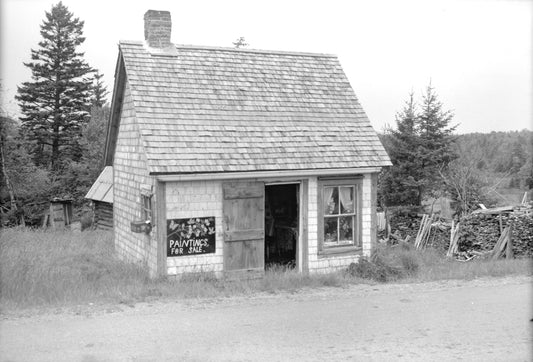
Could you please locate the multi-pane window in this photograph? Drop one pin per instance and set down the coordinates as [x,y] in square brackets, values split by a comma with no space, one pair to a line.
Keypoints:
[339,215]
[146,207]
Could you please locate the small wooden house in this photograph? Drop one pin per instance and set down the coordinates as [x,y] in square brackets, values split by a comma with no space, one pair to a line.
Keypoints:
[101,195]
[230,160]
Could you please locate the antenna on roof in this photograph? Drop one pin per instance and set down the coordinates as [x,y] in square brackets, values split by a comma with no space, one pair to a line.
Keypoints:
[240,43]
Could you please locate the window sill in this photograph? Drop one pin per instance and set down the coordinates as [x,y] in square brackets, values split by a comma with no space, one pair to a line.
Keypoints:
[339,251]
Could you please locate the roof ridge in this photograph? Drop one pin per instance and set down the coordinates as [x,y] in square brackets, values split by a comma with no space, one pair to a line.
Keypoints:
[261,51]
[238,50]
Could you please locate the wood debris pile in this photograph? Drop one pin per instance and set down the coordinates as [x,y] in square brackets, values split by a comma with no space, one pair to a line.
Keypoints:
[408,224]
[479,233]
[483,233]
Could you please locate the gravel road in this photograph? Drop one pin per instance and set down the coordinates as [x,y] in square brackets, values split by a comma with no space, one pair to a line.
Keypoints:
[479,320]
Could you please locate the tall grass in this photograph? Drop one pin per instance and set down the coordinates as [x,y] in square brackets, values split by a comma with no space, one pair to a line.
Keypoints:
[55,267]
[60,267]
[404,262]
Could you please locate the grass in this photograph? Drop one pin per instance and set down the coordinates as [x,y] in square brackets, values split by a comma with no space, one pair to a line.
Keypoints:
[404,262]
[55,268]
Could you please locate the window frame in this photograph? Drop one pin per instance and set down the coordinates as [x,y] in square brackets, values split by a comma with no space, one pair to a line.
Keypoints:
[146,203]
[147,209]
[356,247]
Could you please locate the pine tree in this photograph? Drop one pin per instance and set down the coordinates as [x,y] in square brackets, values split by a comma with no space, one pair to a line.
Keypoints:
[399,183]
[56,103]
[436,143]
[419,148]
[99,91]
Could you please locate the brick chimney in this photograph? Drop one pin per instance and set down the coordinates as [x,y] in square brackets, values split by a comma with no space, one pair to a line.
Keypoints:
[157,28]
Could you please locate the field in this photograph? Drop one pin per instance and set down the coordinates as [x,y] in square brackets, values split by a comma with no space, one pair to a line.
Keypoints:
[56,268]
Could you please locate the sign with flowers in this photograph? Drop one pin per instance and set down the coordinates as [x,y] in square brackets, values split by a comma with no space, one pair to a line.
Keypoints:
[191,236]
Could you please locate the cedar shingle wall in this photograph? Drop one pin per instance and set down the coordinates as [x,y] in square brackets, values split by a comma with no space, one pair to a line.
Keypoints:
[130,171]
[196,199]
[319,264]
[204,198]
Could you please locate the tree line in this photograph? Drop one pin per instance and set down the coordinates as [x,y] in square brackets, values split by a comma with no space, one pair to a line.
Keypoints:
[431,161]
[55,147]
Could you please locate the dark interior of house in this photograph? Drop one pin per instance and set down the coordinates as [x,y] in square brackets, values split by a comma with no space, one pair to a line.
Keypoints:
[281,225]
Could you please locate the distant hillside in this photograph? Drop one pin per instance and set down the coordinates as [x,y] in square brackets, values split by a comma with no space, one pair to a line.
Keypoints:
[501,152]
[502,161]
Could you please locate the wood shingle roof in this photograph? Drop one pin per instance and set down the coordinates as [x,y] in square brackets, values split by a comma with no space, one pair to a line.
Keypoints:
[102,189]
[203,109]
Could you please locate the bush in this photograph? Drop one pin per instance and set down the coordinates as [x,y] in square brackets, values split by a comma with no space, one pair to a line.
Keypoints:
[387,264]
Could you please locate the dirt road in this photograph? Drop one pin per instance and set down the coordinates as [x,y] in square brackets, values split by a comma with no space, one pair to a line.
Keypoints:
[481,320]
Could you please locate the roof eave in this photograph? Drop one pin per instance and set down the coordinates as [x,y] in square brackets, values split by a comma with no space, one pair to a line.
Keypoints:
[116,108]
[264,174]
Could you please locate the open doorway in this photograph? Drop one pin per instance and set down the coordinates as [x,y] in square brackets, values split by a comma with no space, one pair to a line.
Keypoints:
[281,224]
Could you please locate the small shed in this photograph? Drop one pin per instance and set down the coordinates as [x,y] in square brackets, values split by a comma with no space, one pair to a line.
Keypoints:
[101,195]
[59,214]
[232,160]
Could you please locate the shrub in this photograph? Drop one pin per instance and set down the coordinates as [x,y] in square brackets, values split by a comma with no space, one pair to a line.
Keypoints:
[387,264]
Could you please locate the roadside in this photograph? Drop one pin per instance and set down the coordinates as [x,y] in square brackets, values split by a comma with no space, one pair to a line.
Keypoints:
[482,319]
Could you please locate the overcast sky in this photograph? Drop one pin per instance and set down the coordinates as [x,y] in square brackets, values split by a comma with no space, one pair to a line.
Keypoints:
[477,54]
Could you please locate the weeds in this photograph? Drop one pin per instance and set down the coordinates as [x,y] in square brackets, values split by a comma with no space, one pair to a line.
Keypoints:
[404,262]
[60,267]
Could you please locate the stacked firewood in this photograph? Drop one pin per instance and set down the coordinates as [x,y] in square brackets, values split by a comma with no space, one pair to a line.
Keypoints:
[479,233]
[476,235]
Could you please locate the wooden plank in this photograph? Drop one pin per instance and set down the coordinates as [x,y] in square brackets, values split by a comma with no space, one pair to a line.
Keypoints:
[500,244]
[242,190]
[240,235]
[509,249]
[243,210]
[303,263]
[116,111]
[161,228]
[244,255]
[320,216]
[373,211]
[244,214]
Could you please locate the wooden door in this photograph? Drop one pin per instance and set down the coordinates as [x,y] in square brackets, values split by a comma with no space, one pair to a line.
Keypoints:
[244,235]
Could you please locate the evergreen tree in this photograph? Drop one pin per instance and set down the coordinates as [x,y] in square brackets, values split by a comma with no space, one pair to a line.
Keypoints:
[435,151]
[419,148]
[56,103]
[399,184]
[99,91]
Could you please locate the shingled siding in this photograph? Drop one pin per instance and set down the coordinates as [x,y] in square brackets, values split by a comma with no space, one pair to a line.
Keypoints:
[323,264]
[130,172]
[196,199]
[204,198]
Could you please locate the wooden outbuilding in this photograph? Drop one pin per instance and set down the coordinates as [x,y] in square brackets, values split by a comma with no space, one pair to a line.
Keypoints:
[59,213]
[231,160]
[101,195]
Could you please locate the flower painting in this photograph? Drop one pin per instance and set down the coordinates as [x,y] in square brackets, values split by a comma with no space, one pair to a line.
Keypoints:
[191,236]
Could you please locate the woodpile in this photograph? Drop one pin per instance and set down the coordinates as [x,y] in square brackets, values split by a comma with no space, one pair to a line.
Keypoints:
[503,245]
[481,233]
[486,233]
[454,239]
[424,232]
[404,224]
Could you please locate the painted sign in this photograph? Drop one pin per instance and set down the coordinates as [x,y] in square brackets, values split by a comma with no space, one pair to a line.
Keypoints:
[191,236]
